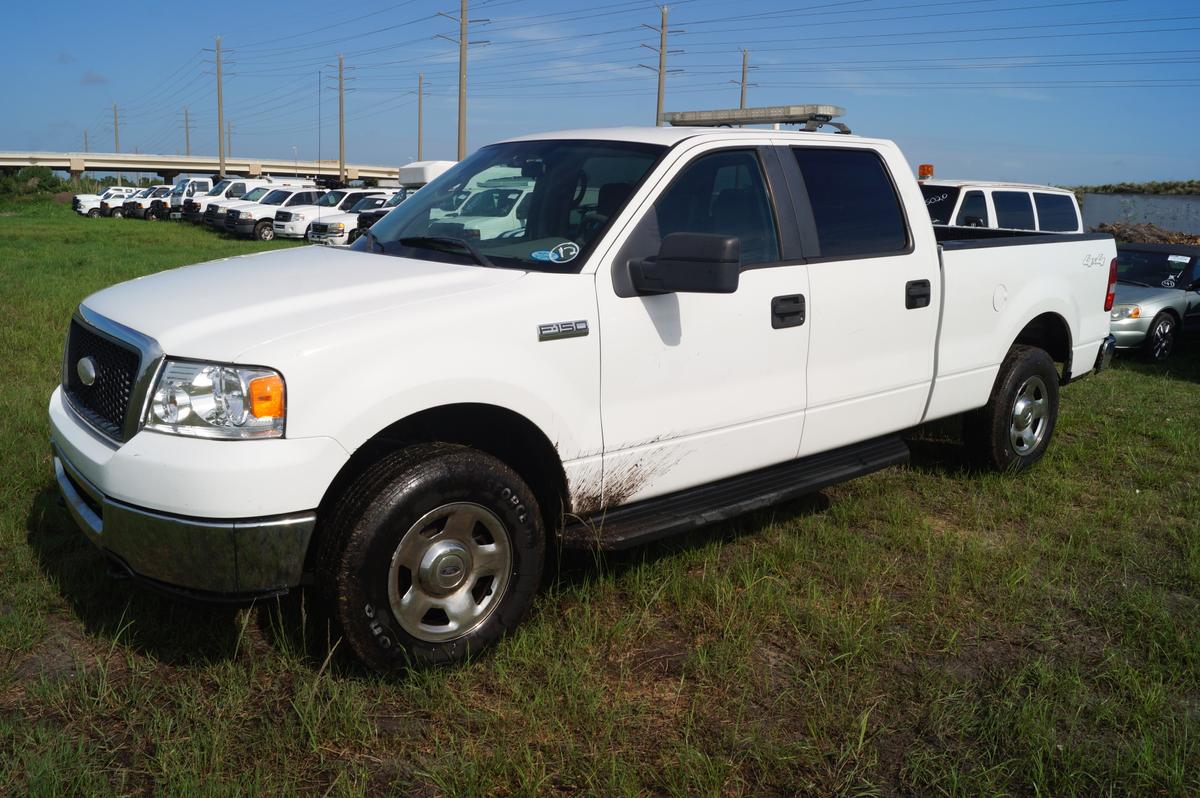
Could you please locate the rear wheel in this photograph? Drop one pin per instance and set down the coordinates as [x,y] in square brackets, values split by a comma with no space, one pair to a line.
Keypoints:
[1160,338]
[1012,431]
[264,230]
[431,556]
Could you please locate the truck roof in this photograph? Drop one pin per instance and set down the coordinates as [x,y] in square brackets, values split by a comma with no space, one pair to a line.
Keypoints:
[992,184]
[670,136]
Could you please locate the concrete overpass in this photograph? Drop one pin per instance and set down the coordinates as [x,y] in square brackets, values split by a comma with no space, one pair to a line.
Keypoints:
[170,166]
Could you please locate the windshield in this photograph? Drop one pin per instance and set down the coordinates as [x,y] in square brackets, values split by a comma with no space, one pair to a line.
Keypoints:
[1155,269]
[331,199]
[940,202]
[277,197]
[366,204]
[255,195]
[161,192]
[143,193]
[396,199]
[218,189]
[571,191]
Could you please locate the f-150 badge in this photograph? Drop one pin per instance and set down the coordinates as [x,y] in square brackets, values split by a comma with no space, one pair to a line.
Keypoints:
[562,329]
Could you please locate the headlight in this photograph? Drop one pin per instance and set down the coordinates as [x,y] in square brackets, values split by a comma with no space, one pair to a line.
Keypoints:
[221,211]
[1126,312]
[214,400]
[337,227]
[297,217]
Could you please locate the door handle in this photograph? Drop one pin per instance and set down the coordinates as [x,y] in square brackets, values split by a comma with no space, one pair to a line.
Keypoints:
[787,311]
[917,294]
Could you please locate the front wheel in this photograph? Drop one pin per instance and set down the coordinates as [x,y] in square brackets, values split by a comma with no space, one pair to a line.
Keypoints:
[94,213]
[264,231]
[1012,431]
[1160,338]
[353,235]
[117,213]
[431,556]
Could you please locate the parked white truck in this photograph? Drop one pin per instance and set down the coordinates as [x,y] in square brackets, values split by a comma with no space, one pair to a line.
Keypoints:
[89,204]
[296,220]
[740,317]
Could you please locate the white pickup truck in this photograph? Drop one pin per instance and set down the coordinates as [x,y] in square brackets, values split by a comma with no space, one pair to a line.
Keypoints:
[89,204]
[691,324]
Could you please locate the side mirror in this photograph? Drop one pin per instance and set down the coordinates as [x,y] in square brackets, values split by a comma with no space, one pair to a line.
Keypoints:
[692,263]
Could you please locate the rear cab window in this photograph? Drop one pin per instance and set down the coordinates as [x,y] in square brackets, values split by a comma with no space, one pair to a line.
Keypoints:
[1056,213]
[1014,210]
[854,203]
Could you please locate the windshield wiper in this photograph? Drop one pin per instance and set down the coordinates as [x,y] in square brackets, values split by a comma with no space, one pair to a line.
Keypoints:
[426,241]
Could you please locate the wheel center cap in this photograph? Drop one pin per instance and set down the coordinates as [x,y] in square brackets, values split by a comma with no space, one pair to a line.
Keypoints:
[444,567]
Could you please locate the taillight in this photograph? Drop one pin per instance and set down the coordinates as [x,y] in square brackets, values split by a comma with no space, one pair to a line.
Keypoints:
[1112,286]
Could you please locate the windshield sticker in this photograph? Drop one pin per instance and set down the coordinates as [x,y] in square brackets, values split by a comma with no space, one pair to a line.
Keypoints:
[1169,282]
[1178,258]
[563,253]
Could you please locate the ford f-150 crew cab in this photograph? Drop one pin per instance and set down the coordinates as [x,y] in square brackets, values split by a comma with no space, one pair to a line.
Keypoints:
[690,324]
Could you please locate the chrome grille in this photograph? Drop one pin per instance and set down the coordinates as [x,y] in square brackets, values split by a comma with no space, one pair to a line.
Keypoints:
[105,402]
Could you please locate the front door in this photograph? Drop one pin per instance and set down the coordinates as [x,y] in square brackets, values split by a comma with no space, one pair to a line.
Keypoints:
[697,387]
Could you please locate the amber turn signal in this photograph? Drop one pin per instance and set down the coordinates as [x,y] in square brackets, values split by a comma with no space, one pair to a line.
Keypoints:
[266,396]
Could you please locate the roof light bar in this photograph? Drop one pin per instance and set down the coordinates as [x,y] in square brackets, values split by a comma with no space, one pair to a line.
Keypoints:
[811,116]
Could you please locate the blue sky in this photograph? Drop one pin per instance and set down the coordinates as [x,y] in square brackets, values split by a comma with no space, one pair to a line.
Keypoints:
[1081,91]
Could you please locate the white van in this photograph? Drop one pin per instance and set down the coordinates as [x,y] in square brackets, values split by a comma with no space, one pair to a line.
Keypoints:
[1008,206]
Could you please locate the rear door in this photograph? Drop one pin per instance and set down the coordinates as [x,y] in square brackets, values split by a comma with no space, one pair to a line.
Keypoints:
[874,292]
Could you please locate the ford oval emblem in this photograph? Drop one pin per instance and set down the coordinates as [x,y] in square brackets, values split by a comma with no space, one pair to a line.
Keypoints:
[450,570]
[86,369]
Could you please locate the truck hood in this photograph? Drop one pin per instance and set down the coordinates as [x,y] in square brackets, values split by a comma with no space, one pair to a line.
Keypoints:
[217,310]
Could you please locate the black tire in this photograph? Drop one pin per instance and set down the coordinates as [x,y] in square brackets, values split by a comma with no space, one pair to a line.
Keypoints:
[264,230]
[353,235]
[94,213]
[1012,431]
[1160,338]
[386,512]
[117,213]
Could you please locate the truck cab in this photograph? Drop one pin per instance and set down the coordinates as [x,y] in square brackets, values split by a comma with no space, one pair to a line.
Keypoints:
[185,188]
[1002,206]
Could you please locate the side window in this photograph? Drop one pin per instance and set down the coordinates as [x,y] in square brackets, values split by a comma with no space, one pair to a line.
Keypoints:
[722,193]
[1014,209]
[854,202]
[299,198]
[973,212]
[1056,213]
[236,190]
[349,201]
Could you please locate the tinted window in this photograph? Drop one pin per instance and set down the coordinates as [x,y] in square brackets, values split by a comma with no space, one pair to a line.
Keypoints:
[1056,213]
[973,212]
[1014,209]
[276,197]
[940,202]
[238,190]
[1152,269]
[853,201]
[722,193]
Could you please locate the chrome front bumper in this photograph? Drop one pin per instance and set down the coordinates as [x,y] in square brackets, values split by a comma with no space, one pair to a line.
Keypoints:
[202,558]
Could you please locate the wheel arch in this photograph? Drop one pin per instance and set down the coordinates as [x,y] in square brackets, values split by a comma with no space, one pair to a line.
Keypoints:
[498,431]
[1050,332]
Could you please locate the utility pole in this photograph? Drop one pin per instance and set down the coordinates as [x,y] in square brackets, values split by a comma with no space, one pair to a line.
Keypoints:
[342,120]
[662,30]
[745,64]
[85,141]
[220,111]
[116,130]
[462,41]
[420,111]
[187,132]
[229,139]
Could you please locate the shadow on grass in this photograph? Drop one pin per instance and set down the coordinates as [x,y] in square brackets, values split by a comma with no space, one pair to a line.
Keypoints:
[171,631]
[1183,364]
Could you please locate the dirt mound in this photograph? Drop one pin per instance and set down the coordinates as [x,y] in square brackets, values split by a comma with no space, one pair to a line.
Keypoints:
[63,197]
[1146,233]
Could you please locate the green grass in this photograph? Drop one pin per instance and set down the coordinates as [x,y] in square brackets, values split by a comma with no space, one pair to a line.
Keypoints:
[928,630]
